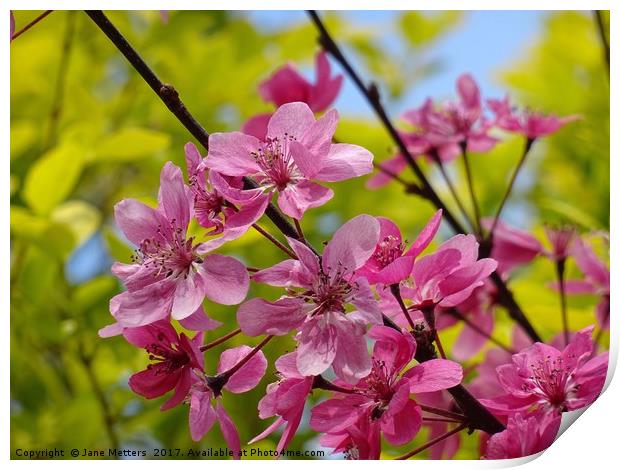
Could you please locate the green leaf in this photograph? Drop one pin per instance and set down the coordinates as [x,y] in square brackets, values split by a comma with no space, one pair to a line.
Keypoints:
[51,236]
[118,249]
[52,178]
[80,217]
[132,143]
[424,28]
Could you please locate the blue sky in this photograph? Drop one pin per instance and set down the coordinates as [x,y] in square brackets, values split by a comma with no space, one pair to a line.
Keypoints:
[482,44]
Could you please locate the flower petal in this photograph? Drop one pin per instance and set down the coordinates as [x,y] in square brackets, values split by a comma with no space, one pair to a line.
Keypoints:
[230,153]
[226,280]
[433,375]
[292,119]
[296,199]
[352,244]
[249,375]
[201,414]
[257,316]
[345,161]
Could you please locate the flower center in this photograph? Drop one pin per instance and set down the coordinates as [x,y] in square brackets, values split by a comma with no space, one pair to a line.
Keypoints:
[170,256]
[379,387]
[388,250]
[207,204]
[330,293]
[167,357]
[276,163]
[552,380]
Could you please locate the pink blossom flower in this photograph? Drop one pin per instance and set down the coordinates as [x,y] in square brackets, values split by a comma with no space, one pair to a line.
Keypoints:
[390,264]
[529,123]
[359,441]
[512,247]
[523,436]
[296,150]
[285,399]
[543,379]
[174,357]
[212,211]
[287,85]
[596,280]
[394,165]
[448,276]
[205,405]
[12,24]
[454,123]
[383,396]
[168,277]
[561,239]
[327,334]
[486,383]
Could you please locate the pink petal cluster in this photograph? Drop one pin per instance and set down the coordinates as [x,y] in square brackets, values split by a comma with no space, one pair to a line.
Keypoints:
[380,403]
[523,436]
[530,124]
[596,280]
[512,247]
[318,292]
[449,275]
[285,399]
[445,128]
[205,405]
[287,85]
[296,151]
[440,132]
[390,263]
[544,380]
[174,358]
[168,276]
[212,210]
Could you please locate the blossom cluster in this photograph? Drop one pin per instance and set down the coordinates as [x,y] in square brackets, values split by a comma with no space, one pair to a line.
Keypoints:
[365,312]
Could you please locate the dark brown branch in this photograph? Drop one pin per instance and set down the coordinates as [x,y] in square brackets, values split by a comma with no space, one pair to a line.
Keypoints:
[371,94]
[169,95]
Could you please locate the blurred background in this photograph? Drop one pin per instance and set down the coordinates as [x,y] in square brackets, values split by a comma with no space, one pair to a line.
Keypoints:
[87,132]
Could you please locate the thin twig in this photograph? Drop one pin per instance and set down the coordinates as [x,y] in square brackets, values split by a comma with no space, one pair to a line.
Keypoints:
[31,24]
[470,185]
[528,145]
[452,189]
[395,289]
[439,420]
[560,266]
[170,97]
[227,374]
[271,238]
[444,413]
[300,232]
[454,312]
[221,340]
[432,442]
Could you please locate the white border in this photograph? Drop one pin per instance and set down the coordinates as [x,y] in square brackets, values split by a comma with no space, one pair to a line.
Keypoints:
[591,444]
